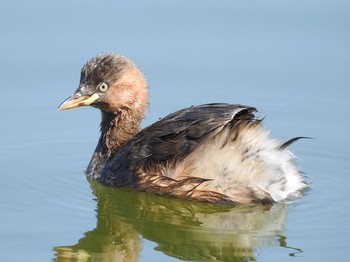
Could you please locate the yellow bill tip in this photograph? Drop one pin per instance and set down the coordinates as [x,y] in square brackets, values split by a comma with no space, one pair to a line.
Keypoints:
[77,102]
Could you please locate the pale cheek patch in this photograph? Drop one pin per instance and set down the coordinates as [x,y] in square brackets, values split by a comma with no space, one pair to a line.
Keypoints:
[126,96]
[133,99]
[120,99]
[130,91]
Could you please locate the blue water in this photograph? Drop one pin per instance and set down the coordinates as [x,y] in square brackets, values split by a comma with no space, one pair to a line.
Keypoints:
[291,59]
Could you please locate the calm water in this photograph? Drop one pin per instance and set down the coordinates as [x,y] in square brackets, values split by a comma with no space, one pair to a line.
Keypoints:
[291,59]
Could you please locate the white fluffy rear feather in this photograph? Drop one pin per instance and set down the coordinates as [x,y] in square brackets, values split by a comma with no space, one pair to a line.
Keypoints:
[245,157]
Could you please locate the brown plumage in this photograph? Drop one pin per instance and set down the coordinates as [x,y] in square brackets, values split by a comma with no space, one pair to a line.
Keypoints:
[213,152]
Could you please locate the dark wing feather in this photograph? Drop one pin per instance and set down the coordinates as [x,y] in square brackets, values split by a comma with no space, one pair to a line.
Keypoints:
[171,139]
[291,141]
[178,134]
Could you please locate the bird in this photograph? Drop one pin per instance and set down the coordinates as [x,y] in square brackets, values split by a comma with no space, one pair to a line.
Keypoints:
[216,152]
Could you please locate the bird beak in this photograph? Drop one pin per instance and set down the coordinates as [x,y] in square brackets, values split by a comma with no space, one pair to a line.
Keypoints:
[73,102]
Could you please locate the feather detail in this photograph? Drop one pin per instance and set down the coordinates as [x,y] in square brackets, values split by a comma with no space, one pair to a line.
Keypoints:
[291,141]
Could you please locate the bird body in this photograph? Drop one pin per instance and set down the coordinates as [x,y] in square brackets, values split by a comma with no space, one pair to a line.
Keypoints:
[213,152]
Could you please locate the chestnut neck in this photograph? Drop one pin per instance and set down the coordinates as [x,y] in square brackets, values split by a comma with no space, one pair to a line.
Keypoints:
[116,129]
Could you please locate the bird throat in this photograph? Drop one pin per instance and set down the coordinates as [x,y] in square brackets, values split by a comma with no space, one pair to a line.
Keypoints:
[116,130]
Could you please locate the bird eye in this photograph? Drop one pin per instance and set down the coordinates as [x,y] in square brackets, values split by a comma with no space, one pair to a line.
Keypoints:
[103,87]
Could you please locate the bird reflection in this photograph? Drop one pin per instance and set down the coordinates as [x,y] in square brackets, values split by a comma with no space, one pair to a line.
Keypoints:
[182,229]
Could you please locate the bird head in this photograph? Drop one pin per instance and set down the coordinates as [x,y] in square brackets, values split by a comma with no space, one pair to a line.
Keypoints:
[111,83]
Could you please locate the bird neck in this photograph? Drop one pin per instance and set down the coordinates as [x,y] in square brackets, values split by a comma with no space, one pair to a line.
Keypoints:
[116,130]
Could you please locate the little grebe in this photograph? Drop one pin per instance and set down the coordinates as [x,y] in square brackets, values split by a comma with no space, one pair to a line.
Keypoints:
[213,152]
